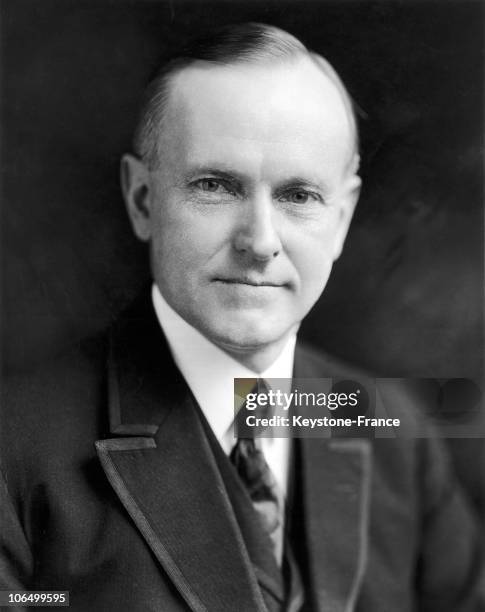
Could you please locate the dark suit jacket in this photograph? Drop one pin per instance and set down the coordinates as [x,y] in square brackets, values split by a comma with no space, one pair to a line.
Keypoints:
[111,491]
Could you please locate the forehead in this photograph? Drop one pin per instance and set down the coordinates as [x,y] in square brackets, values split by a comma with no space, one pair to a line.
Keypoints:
[261,112]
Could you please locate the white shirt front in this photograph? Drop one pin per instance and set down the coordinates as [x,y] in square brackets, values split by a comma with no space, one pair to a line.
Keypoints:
[210,373]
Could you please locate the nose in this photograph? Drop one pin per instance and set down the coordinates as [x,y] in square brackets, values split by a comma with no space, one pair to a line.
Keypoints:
[256,234]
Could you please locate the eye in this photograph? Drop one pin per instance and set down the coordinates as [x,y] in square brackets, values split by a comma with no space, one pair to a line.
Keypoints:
[217,186]
[299,196]
[210,185]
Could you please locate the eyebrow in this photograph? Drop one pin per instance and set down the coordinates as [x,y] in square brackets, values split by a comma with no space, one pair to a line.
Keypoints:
[298,181]
[229,174]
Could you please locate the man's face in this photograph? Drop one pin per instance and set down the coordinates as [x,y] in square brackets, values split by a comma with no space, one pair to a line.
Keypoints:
[251,201]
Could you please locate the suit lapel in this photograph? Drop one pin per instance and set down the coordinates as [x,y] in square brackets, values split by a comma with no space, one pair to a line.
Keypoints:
[336,475]
[336,494]
[165,475]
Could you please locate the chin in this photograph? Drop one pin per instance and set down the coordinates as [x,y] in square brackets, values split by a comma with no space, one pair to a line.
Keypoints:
[245,335]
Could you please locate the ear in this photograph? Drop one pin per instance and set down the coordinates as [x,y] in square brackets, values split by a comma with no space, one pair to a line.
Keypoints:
[349,199]
[135,185]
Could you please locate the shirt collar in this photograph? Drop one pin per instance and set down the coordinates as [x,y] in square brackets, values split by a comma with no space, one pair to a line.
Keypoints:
[208,370]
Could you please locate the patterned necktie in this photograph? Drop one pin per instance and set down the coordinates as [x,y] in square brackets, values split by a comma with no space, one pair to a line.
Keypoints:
[248,459]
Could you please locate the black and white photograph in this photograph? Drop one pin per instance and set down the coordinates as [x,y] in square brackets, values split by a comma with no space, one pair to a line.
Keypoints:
[242,305]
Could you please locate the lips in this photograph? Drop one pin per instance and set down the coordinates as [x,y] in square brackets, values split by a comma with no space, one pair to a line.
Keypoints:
[252,282]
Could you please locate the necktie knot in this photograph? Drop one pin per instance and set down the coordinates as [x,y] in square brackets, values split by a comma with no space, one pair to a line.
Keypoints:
[258,406]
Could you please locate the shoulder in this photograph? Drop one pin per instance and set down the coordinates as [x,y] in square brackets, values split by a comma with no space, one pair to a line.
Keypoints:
[51,413]
[61,380]
[408,453]
[395,398]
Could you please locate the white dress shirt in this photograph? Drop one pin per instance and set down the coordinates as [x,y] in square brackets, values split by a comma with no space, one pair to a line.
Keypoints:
[210,373]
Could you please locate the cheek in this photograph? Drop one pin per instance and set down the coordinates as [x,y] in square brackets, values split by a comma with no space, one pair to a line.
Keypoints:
[184,239]
[312,254]
[178,254]
[314,272]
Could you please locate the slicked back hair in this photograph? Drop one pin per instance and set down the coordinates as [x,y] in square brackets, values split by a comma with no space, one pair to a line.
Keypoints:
[250,43]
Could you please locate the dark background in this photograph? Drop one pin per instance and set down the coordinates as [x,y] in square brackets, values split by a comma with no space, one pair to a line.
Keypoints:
[405,298]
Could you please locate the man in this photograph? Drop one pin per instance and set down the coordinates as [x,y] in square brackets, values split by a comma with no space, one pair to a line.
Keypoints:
[123,481]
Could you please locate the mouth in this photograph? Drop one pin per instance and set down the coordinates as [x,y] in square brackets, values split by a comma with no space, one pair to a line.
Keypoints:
[251,282]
